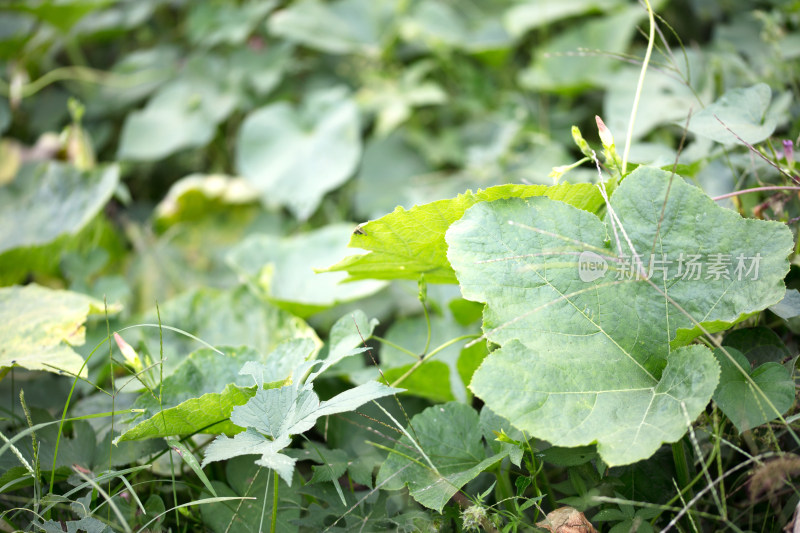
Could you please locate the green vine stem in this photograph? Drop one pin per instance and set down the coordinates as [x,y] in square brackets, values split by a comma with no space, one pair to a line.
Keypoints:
[428,356]
[274,521]
[651,39]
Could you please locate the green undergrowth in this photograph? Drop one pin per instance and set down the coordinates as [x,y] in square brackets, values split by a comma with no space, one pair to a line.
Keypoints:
[399,265]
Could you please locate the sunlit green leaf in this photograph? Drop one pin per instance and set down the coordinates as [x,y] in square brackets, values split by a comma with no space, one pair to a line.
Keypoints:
[742,111]
[406,244]
[46,201]
[343,26]
[182,114]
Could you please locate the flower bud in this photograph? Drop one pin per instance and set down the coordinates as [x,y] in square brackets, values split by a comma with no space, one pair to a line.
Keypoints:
[581,142]
[605,134]
[130,355]
[788,151]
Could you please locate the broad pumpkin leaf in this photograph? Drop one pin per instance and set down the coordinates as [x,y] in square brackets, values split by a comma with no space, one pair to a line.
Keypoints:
[295,156]
[665,97]
[440,25]
[746,406]
[556,66]
[46,201]
[591,352]
[451,437]
[760,345]
[40,326]
[211,24]
[406,244]
[283,269]
[376,184]
[743,111]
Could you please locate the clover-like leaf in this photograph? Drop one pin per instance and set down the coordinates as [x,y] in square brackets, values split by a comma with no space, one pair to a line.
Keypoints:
[408,243]
[592,350]
[749,401]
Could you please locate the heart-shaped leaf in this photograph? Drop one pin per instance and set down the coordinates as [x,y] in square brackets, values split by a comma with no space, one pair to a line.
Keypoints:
[743,111]
[737,396]
[295,156]
[284,269]
[450,436]
[591,350]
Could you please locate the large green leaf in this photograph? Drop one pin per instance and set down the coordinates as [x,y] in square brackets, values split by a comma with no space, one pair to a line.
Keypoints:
[284,269]
[406,244]
[743,111]
[450,435]
[746,402]
[295,156]
[377,191]
[182,114]
[589,352]
[49,200]
[40,326]
[666,96]
[439,24]
[210,24]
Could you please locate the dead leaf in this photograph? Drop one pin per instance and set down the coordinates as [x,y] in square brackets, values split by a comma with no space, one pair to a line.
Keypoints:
[567,520]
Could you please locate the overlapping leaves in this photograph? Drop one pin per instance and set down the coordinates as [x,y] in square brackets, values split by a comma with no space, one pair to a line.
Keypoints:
[408,243]
[599,355]
[273,415]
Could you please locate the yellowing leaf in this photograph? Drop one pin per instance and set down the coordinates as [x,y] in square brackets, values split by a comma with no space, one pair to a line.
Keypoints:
[39,326]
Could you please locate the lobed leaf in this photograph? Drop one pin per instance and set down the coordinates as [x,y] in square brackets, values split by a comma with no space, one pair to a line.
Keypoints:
[595,351]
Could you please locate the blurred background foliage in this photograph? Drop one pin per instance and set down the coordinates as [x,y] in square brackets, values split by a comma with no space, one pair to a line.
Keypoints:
[199,123]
